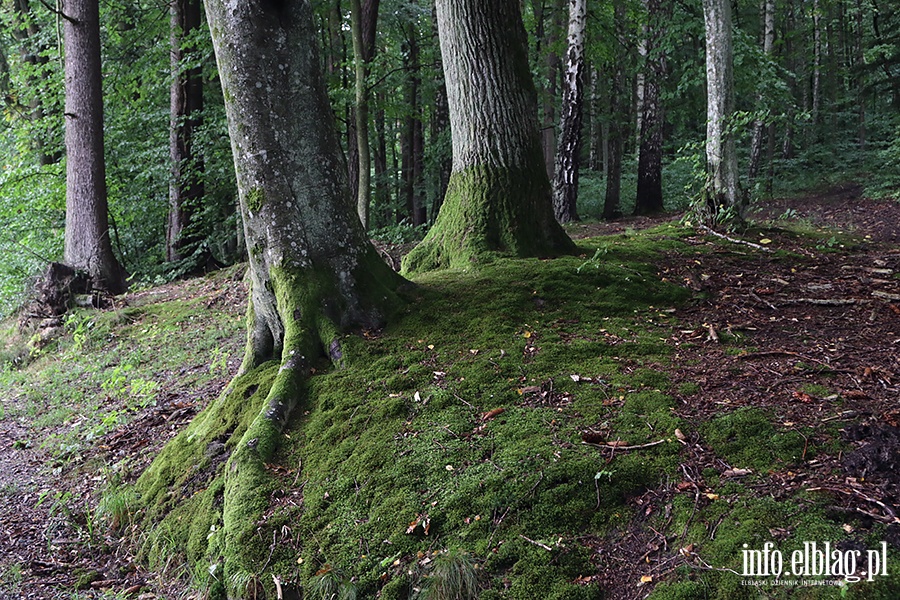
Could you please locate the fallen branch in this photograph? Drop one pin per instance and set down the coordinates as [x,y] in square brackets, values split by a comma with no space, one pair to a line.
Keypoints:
[733,240]
[530,541]
[892,516]
[886,296]
[613,447]
[828,301]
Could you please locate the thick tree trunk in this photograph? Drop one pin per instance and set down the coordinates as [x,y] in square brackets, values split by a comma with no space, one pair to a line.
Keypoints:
[312,271]
[440,128]
[721,160]
[186,103]
[498,199]
[568,152]
[87,246]
[649,197]
[759,125]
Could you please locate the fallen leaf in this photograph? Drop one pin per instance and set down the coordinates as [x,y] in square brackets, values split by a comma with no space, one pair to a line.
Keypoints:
[526,335]
[492,413]
[803,397]
[680,435]
[646,579]
[765,241]
[617,443]
[711,496]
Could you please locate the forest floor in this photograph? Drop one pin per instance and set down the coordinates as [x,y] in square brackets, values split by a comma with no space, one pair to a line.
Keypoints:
[812,337]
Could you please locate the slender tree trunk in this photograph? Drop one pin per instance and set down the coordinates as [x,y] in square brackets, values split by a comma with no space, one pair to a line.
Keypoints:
[649,185]
[186,187]
[596,152]
[552,25]
[860,78]
[498,199]
[617,123]
[759,125]
[721,158]
[87,239]
[568,153]
[440,129]
[363,18]
[817,63]
[27,35]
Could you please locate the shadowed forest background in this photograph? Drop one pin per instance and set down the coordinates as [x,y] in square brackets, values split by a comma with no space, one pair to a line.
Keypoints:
[656,323]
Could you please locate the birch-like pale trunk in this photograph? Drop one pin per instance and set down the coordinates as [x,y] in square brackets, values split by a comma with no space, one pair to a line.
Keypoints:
[568,160]
[721,159]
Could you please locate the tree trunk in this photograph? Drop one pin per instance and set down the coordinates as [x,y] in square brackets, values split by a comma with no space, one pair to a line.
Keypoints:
[649,197]
[551,26]
[186,103]
[616,129]
[313,273]
[87,240]
[26,33]
[597,150]
[723,196]
[440,126]
[568,159]
[363,18]
[498,198]
[759,125]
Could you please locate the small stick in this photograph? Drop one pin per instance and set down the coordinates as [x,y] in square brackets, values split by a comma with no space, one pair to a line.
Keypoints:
[656,443]
[733,240]
[544,546]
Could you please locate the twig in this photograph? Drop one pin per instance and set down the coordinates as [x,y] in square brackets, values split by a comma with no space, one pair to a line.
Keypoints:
[891,514]
[606,446]
[828,301]
[761,301]
[886,296]
[733,240]
[544,546]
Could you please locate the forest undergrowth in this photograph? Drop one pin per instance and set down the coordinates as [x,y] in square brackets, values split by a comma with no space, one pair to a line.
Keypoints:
[621,423]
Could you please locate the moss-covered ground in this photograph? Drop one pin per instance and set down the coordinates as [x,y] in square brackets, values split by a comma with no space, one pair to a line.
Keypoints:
[523,430]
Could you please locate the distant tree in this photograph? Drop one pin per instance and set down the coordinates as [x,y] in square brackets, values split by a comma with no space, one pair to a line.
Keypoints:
[499,197]
[617,117]
[723,194]
[186,187]
[568,159]
[88,246]
[649,197]
[363,19]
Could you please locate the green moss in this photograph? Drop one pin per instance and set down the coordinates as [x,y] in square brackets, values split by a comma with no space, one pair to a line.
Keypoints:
[746,438]
[254,199]
[488,211]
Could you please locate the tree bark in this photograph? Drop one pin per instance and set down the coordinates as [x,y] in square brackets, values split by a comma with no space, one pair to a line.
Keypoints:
[313,273]
[723,195]
[617,117]
[759,124]
[186,187]
[568,159]
[649,197]
[498,198]
[87,239]
[363,18]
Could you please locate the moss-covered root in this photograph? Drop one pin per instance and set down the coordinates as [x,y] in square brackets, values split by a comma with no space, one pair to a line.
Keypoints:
[491,210]
[247,484]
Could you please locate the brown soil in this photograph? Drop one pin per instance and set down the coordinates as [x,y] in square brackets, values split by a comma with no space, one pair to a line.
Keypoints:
[827,315]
